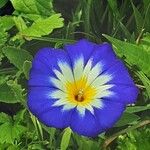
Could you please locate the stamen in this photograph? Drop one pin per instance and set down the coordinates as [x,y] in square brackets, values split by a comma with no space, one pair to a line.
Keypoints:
[80,96]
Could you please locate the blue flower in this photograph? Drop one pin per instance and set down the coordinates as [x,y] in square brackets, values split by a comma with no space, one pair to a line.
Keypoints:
[84,87]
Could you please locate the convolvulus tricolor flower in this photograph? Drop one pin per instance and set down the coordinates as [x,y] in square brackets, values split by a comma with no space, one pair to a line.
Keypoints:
[84,87]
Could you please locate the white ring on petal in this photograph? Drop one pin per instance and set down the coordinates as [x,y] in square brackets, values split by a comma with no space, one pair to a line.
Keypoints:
[66,71]
[78,68]
[94,72]
[94,78]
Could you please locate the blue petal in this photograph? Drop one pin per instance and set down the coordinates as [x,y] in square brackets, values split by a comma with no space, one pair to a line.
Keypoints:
[38,79]
[104,53]
[55,117]
[81,48]
[43,64]
[40,104]
[124,94]
[109,114]
[86,125]
[39,99]
[120,74]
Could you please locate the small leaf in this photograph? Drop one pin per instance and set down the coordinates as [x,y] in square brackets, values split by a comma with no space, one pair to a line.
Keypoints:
[40,129]
[6,22]
[65,139]
[138,18]
[125,30]
[17,56]
[8,94]
[126,119]
[37,7]
[26,68]
[20,24]
[2,3]
[113,6]
[3,36]
[135,55]
[17,90]
[134,140]
[37,126]
[4,118]
[43,26]
[19,116]
[10,131]
[137,108]
[145,42]
[145,81]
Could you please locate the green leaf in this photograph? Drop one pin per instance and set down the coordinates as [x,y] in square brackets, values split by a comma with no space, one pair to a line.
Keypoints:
[138,18]
[6,22]
[4,118]
[126,119]
[26,68]
[2,3]
[17,56]
[17,89]
[145,81]
[13,147]
[135,109]
[37,125]
[37,7]
[86,5]
[135,55]
[40,129]
[113,6]
[10,92]
[125,30]
[20,24]
[3,36]
[43,26]
[84,143]
[145,42]
[10,130]
[7,94]
[134,140]
[65,139]
[19,116]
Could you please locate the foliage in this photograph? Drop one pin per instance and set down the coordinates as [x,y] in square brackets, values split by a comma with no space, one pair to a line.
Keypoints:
[132,141]
[10,129]
[37,23]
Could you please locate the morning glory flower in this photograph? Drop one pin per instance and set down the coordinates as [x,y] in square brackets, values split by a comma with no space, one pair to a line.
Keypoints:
[84,87]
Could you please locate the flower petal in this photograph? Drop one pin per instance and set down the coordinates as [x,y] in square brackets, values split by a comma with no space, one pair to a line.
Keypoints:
[104,54]
[40,104]
[119,74]
[102,58]
[85,125]
[56,117]
[125,94]
[39,99]
[109,113]
[44,64]
[79,54]
[82,48]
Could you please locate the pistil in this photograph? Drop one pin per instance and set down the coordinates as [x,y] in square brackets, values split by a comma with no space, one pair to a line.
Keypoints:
[80,96]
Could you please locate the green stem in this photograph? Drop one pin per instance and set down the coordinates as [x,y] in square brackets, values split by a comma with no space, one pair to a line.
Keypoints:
[54,40]
[7,71]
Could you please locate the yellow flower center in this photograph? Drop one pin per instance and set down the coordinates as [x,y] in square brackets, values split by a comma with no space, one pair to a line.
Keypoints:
[79,92]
